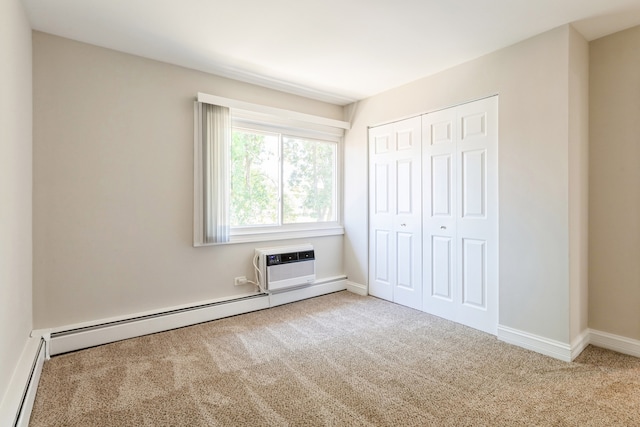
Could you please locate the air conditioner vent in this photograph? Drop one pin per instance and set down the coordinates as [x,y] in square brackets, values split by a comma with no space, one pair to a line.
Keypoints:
[286,266]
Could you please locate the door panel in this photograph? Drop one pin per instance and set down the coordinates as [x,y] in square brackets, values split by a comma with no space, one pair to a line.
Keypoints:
[405,258]
[441,132]
[382,256]
[474,291]
[473,122]
[408,219]
[477,224]
[382,142]
[382,235]
[405,182]
[460,242]
[442,267]
[441,191]
[474,195]
[406,136]
[381,185]
[439,210]
[395,190]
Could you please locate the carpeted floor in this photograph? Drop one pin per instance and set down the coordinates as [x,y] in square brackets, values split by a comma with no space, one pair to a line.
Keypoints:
[336,360]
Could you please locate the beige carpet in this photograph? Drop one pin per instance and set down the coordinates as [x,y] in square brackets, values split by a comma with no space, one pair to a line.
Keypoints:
[336,360]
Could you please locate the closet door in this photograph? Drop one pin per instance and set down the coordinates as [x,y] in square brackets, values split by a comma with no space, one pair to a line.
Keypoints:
[477,219]
[395,238]
[460,214]
[440,213]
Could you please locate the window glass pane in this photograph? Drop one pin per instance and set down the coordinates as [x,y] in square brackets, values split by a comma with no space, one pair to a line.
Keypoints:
[255,179]
[309,180]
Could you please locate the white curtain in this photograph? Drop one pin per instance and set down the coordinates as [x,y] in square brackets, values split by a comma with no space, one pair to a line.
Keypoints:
[216,174]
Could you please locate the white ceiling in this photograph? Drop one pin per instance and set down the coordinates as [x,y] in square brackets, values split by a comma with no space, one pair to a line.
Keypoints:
[334,50]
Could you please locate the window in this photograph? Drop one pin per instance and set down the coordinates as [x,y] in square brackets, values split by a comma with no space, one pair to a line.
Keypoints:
[309,180]
[265,175]
[277,179]
[255,178]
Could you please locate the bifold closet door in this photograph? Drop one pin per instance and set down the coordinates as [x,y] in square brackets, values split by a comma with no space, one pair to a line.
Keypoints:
[460,218]
[395,229]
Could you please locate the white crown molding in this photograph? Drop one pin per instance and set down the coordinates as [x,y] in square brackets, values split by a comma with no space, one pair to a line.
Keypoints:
[279,85]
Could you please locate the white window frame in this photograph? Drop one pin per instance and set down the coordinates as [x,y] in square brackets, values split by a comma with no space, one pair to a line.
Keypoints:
[289,123]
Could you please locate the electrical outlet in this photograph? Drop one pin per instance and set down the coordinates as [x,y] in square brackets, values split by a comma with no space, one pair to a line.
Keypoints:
[239,281]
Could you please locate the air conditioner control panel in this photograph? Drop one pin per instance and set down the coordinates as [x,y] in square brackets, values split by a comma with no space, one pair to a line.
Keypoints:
[277,259]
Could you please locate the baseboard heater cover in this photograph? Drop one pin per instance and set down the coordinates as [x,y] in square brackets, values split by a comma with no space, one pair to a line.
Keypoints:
[78,337]
[149,316]
[71,339]
[15,408]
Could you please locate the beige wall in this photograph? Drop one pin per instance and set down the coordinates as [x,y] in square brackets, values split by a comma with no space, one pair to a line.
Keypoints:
[15,187]
[531,79]
[113,185]
[614,194]
[578,182]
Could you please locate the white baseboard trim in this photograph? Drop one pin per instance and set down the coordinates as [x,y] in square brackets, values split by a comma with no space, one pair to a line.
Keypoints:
[357,288]
[580,343]
[614,342]
[546,346]
[17,404]
[322,288]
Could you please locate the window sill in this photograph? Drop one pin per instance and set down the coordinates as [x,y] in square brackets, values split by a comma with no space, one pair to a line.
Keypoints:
[270,235]
[263,236]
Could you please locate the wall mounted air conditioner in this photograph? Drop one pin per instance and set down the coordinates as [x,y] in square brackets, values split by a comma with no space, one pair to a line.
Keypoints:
[285,266]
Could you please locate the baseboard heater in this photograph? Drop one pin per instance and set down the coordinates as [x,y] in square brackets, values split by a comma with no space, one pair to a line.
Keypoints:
[286,267]
[76,337]
[102,332]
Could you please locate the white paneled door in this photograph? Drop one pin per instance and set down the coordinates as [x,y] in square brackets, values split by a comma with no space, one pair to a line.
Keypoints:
[460,218]
[440,205]
[395,236]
